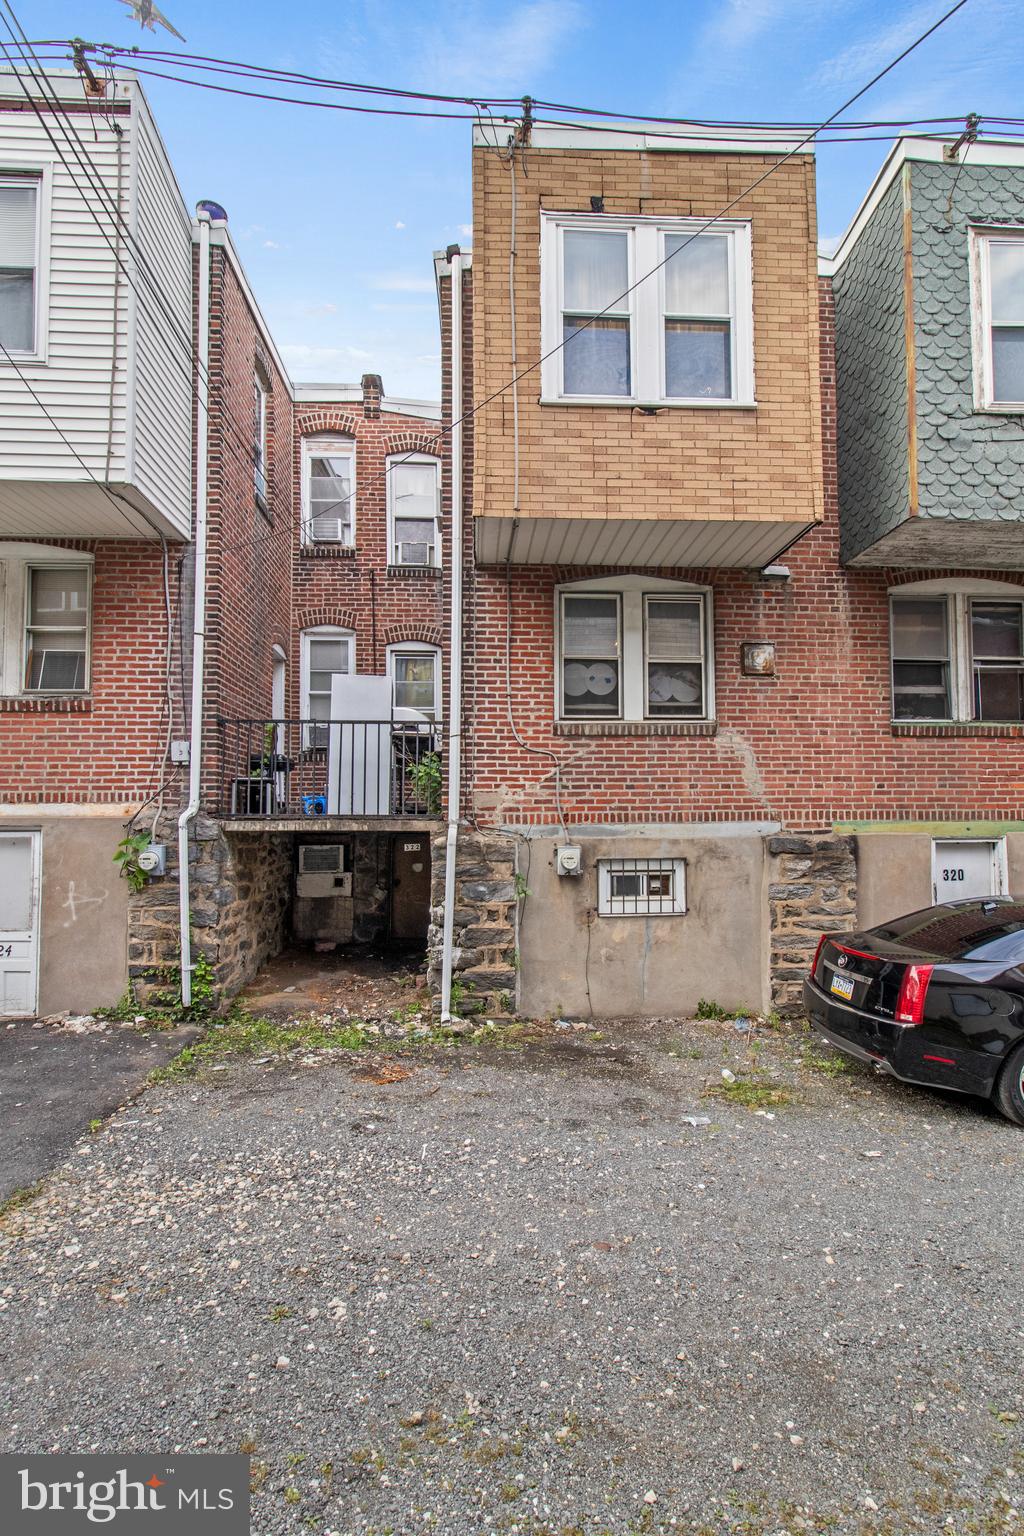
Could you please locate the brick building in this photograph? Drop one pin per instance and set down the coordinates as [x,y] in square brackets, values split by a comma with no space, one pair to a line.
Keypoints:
[674,672]
[189,499]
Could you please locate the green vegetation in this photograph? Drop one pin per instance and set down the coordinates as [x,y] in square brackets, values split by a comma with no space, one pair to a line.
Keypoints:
[126,854]
[242,1034]
[707,1008]
[753,1091]
[425,779]
[19,1197]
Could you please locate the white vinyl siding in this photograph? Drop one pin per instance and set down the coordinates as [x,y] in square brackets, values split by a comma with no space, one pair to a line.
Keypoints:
[150,441]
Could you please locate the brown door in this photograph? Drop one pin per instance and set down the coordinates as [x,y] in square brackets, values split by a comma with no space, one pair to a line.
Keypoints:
[410,887]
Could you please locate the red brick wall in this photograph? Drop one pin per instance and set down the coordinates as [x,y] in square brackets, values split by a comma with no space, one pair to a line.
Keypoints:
[249,585]
[108,745]
[355,589]
[809,746]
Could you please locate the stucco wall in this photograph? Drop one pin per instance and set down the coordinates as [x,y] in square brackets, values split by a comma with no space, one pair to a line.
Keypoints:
[894,869]
[643,965]
[83,945]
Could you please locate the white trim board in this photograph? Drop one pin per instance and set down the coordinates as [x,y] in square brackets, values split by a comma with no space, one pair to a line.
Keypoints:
[983,152]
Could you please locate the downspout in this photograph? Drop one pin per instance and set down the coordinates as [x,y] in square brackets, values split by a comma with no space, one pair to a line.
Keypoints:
[455,662]
[195,751]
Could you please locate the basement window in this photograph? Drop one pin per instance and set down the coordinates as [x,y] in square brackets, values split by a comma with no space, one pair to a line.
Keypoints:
[641,887]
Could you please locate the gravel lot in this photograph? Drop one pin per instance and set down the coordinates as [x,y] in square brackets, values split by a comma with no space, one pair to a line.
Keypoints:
[515,1291]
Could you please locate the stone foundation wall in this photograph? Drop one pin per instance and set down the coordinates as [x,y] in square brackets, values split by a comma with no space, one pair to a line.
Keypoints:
[485,956]
[812,887]
[240,890]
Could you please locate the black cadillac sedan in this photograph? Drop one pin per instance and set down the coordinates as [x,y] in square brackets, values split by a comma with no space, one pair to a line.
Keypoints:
[936,997]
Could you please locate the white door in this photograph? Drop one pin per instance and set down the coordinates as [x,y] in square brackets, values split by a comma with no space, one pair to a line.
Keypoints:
[968,867]
[19,922]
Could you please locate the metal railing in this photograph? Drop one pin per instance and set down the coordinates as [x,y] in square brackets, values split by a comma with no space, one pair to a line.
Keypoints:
[311,768]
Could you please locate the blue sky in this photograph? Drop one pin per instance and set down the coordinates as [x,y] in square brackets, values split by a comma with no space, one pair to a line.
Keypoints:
[337,215]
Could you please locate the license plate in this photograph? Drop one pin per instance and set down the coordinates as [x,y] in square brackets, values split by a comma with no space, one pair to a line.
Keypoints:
[842,986]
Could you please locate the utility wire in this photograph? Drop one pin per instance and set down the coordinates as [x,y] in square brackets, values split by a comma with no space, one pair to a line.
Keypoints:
[93,176]
[217,65]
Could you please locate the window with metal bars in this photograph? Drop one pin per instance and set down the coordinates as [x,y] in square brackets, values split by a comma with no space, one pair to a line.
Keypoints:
[641,887]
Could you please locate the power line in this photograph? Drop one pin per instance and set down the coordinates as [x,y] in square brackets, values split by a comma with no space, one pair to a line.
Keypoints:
[217,65]
[94,178]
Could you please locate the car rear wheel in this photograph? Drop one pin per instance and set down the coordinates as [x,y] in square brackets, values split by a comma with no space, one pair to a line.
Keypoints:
[1009,1094]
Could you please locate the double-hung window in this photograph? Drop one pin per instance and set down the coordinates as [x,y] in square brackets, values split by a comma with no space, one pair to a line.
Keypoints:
[259,439]
[19,262]
[326,653]
[646,311]
[328,491]
[415,671]
[632,648]
[959,655]
[414,511]
[57,628]
[998,277]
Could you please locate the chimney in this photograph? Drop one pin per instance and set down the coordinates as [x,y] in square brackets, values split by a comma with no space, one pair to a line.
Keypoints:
[373,389]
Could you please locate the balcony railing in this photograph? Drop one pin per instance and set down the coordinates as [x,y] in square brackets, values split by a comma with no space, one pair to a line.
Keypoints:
[311,768]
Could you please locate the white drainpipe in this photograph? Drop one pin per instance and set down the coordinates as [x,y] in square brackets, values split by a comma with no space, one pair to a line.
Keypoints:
[455,662]
[195,753]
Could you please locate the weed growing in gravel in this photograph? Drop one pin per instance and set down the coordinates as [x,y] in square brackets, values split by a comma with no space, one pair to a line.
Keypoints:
[19,1197]
[829,1062]
[278,1314]
[707,1008]
[752,1092]
[243,1034]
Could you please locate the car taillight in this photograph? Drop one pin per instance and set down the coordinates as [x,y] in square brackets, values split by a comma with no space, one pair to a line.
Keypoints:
[913,989]
[817,955]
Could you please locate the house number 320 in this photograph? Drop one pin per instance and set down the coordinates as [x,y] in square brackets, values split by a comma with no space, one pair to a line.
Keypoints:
[952,874]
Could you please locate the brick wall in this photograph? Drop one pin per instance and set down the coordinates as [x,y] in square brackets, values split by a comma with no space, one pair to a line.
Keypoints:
[356,589]
[606,461]
[809,746]
[106,745]
[249,598]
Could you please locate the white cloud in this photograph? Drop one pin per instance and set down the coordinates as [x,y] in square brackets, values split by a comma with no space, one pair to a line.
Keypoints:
[271,245]
[399,224]
[401,282]
[316,362]
[741,21]
[472,50]
[320,309]
[855,64]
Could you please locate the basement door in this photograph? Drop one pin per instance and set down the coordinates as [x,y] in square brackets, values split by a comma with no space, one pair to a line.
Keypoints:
[410,888]
[19,922]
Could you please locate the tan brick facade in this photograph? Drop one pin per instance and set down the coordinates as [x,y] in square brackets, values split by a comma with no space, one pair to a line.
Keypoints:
[586,461]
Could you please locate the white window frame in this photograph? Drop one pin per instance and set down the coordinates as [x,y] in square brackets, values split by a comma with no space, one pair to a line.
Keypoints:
[1000,875]
[393,515]
[320,632]
[640,906]
[17,558]
[261,398]
[416,648]
[326,447]
[14,169]
[981,239]
[632,592]
[958,594]
[646,307]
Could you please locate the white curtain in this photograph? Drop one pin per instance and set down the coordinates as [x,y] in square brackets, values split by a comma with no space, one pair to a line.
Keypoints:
[596,270]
